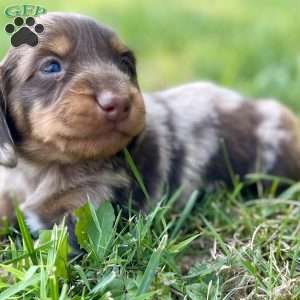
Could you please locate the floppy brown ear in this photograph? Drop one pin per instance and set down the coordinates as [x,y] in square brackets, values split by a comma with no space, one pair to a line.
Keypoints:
[8,155]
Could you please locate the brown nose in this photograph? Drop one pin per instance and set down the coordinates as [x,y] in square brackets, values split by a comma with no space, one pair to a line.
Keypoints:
[116,108]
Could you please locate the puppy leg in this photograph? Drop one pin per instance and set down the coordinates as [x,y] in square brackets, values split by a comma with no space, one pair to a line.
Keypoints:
[13,190]
[44,214]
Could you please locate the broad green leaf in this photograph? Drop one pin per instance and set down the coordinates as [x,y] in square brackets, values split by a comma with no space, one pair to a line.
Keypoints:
[84,218]
[100,230]
[95,228]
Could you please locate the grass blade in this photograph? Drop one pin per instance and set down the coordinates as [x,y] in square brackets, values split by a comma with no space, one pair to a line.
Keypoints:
[216,236]
[26,236]
[136,173]
[186,212]
[63,294]
[30,279]
[152,267]
[104,282]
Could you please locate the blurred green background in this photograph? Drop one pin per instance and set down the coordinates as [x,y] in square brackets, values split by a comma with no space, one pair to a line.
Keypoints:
[252,46]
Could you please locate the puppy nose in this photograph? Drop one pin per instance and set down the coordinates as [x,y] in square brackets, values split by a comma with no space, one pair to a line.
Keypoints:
[116,107]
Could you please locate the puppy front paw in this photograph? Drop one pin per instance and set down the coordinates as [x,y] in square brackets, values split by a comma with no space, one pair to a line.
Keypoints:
[33,221]
[35,224]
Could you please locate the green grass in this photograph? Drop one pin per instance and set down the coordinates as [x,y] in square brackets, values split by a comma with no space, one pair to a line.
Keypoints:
[224,247]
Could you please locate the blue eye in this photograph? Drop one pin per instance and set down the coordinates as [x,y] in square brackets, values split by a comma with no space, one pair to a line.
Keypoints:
[52,66]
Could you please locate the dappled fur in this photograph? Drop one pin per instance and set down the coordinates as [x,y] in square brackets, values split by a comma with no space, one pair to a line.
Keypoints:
[195,136]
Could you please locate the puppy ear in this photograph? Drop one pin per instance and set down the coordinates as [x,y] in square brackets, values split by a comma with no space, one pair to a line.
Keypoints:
[8,155]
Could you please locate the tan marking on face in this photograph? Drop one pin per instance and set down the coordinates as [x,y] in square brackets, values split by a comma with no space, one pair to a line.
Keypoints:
[77,128]
[60,45]
[82,87]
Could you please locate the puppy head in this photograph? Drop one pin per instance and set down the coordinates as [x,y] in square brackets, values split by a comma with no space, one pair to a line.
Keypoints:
[74,96]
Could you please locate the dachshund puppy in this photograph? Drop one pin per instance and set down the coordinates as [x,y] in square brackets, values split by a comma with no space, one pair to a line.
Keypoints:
[71,104]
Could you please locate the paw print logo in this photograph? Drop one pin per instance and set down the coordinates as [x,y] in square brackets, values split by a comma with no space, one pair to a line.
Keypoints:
[24,33]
